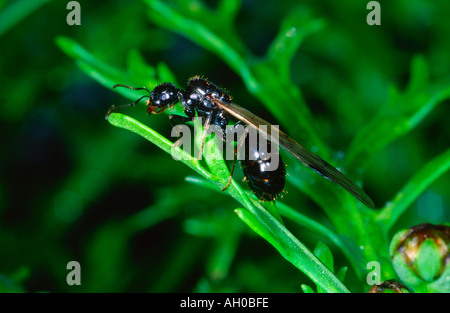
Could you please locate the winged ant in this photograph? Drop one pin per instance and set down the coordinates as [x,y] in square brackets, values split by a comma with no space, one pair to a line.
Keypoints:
[204,99]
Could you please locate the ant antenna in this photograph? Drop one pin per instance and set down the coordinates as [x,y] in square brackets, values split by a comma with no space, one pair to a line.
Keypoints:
[129,87]
[113,108]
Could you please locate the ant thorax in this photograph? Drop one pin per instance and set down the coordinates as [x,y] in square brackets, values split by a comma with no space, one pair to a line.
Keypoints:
[194,101]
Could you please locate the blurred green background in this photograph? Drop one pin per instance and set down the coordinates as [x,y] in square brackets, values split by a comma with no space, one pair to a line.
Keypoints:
[75,188]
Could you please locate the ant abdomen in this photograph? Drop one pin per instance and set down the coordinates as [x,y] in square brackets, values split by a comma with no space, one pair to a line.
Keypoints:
[266,184]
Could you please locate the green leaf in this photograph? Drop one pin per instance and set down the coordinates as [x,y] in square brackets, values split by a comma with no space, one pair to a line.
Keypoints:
[272,208]
[138,74]
[341,273]
[229,9]
[225,248]
[16,12]
[401,114]
[296,27]
[74,50]
[133,125]
[291,248]
[307,289]
[309,223]
[413,189]
[137,66]
[258,227]
[323,253]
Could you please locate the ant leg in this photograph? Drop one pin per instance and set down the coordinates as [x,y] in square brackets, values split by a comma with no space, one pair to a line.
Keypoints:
[231,173]
[240,142]
[205,132]
[113,108]
[230,140]
[176,120]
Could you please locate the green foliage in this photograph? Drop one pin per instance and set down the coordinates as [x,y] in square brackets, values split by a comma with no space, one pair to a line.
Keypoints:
[16,12]
[320,76]
[254,216]
[401,113]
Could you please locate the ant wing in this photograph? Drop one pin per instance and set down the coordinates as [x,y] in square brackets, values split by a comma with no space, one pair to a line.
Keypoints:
[306,157]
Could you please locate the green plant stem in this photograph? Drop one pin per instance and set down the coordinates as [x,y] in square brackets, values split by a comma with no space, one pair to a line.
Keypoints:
[271,206]
[126,122]
[318,228]
[259,219]
[292,249]
[413,189]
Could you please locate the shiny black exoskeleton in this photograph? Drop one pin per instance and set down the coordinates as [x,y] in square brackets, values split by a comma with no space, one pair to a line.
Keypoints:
[266,185]
[193,99]
[196,100]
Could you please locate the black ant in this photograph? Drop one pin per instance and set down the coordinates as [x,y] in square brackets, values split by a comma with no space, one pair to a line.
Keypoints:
[204,99]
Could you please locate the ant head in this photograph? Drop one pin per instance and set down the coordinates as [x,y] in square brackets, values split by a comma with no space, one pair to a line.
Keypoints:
[162,97]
